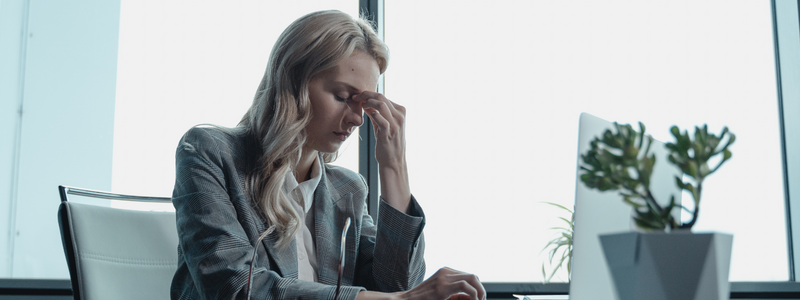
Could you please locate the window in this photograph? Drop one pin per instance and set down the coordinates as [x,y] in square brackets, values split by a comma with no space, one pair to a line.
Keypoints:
[494,92]
[171,73]
[203,67]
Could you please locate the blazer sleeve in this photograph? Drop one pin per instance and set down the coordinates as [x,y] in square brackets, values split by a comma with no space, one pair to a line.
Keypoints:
[214,247]
[391,254]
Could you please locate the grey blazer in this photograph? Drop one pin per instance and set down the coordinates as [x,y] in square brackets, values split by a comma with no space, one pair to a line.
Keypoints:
[218,225]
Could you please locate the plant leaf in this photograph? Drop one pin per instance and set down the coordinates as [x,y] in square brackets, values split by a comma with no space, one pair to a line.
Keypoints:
[559,206]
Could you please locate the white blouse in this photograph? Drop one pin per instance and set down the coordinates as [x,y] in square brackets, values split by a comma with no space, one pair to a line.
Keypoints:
[302,196]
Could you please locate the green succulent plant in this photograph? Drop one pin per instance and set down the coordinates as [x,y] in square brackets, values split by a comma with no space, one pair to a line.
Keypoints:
[621,161]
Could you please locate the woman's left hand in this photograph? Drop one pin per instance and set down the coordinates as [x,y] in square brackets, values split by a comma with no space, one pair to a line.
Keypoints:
[388,122]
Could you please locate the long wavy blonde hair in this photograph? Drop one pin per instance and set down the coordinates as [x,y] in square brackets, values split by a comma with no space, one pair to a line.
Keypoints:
[281,110]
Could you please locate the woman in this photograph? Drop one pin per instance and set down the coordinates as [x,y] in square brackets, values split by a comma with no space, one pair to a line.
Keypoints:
[232,184]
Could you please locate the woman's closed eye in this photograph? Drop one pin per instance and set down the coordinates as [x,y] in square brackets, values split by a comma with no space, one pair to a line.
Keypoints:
[340,98]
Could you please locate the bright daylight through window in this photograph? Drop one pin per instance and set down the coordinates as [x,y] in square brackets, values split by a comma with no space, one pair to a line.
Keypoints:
[494,93]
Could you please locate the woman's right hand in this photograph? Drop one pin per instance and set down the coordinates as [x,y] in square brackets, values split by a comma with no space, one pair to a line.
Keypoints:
[447,284]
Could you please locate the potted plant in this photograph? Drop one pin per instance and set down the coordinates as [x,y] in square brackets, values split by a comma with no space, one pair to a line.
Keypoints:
[665,260]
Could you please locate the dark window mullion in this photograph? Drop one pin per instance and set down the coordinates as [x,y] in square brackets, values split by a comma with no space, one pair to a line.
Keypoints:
[367,165]
[786,33]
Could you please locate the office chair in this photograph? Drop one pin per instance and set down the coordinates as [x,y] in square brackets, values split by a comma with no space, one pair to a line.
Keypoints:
[117,253]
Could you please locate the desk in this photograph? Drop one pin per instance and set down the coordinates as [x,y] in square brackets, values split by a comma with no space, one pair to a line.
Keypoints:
[50,289]
[558,291]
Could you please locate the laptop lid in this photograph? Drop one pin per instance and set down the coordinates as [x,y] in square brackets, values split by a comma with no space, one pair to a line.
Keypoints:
[598,213]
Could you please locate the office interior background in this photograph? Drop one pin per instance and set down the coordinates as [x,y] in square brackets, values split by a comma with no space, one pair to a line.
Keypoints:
[97,93]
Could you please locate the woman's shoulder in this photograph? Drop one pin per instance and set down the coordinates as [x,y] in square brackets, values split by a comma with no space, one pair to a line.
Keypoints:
[212,133]
[208,134]
[212,139]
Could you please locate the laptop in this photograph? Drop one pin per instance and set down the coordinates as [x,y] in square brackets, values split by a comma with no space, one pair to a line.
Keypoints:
[598,213]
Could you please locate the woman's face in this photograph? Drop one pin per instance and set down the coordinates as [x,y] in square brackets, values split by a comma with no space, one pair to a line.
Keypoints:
[334,115]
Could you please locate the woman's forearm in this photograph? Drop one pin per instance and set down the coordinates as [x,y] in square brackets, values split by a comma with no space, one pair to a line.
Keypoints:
[395,189]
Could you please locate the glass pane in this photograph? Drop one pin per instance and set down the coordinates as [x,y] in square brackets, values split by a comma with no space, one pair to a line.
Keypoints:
[179,63]
[494,91]
[201,67]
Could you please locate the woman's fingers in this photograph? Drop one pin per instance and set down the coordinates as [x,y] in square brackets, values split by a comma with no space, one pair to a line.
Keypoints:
[379,122]
[466,283]
[388,122]
[459,297]
[372,101]
[449,284]
[462,286]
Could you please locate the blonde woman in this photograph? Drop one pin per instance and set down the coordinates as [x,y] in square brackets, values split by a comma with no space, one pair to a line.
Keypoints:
[232,184]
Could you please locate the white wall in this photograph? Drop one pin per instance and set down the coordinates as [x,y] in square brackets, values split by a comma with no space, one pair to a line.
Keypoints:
[66,84]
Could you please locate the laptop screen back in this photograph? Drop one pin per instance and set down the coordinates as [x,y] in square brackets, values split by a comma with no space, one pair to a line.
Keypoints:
[598,213]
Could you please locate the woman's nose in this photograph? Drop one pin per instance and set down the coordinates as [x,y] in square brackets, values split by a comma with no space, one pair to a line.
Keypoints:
[355,113]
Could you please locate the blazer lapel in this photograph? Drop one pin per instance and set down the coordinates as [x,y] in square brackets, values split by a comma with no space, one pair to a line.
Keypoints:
[331,209]
[285,259]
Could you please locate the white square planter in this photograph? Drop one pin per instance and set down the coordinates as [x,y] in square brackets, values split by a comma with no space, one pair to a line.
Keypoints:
[669,266]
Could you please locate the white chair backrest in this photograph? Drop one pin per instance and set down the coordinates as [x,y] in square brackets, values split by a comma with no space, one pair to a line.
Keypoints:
[119,253]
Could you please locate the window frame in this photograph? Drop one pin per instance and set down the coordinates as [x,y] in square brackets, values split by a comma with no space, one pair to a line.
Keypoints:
[786,34]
